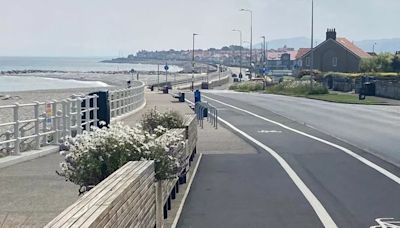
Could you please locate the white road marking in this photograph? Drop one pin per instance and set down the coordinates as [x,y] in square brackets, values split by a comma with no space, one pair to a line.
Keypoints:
[347,151]
[267,131]
[321,212]
[386,223]
[179,212]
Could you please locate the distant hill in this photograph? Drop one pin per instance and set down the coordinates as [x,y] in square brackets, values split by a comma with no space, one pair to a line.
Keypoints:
[382,45]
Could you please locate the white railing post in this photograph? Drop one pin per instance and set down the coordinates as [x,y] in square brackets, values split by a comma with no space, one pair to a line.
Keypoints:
[44,129]
[16,130]
[87,113]
[57,119]
[8,138]
[64,118]
[95,108]
[68,117]
[78,116]
[37,125]
[56,136]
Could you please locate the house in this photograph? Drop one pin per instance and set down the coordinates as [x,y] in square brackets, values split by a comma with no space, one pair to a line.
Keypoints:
[334,54]
[281,59]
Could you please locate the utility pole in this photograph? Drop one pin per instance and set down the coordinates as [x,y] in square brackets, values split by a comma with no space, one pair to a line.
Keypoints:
[240,49]
[158,76]
[251,36]
[194,34]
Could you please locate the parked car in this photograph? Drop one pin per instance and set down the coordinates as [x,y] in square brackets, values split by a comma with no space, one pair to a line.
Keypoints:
[234,75]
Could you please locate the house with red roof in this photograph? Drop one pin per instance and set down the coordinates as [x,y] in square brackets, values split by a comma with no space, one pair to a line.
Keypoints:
[334,54]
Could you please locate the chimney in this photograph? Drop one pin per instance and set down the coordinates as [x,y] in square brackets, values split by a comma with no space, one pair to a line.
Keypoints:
[331,34]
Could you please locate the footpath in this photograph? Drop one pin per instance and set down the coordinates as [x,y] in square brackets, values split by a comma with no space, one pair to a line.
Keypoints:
[32,194]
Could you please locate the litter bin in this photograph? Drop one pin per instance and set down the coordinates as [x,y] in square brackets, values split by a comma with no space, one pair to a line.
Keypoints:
[197,96]
[182,97]
[165,89]
[369,89]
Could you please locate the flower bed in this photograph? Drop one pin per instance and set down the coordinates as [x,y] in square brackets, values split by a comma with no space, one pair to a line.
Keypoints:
[94,155]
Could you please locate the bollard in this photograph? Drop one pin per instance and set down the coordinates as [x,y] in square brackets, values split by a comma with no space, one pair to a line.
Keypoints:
[197,96]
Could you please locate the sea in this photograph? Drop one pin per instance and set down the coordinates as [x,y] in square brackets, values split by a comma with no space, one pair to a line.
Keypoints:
[70,64]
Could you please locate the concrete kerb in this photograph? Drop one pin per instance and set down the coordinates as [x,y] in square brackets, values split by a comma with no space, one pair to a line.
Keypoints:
[27,156]
[217,82]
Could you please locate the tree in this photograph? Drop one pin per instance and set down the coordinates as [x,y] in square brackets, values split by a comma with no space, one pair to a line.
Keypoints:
[396,63]
[379,63]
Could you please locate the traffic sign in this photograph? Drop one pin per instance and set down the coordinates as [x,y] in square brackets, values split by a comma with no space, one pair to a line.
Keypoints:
[166,67]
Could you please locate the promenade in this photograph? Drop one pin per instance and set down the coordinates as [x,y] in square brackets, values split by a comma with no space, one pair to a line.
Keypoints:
[33,194]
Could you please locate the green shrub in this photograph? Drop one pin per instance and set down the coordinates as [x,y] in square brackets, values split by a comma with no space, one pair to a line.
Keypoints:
[247,86]
[298,87]
[153,119]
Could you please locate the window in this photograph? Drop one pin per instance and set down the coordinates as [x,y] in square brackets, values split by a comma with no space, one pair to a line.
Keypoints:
[308,61]
[334,61]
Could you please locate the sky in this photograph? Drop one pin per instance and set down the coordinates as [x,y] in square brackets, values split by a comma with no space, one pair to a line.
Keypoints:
[121,27]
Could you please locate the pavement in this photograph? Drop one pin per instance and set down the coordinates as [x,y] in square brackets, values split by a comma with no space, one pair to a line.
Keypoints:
[302,176]
[32,194]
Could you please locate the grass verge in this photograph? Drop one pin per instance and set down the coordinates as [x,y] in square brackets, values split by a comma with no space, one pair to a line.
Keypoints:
[346,99]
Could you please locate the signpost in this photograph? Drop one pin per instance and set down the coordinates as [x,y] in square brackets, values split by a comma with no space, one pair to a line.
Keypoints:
[166,68]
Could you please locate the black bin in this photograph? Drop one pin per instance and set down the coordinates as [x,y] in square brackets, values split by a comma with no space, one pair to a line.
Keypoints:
[165,89]
[204,85]
[182,97]
[369,89]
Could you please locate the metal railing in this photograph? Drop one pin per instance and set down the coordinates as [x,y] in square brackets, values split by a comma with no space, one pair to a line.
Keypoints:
[54,120]
[68,117]
[204,109]
[123,101]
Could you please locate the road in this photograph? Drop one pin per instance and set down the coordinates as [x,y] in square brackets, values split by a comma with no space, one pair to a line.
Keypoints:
[375,129]
[306,177]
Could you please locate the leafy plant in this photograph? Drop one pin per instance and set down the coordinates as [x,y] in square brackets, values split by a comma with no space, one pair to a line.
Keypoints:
[247,86]
[93,156]
[298,87]
[152,119]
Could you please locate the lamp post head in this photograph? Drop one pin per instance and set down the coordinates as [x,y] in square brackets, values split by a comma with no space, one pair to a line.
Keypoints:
[195,34]
[246,10]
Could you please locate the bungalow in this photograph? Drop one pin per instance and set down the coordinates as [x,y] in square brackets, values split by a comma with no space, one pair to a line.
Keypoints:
[334,54]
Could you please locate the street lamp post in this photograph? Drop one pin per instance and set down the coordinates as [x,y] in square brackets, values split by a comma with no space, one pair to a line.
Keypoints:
[373,47]
[265,56]
[251,35]
[194,34]
[240,50]
[312,44]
